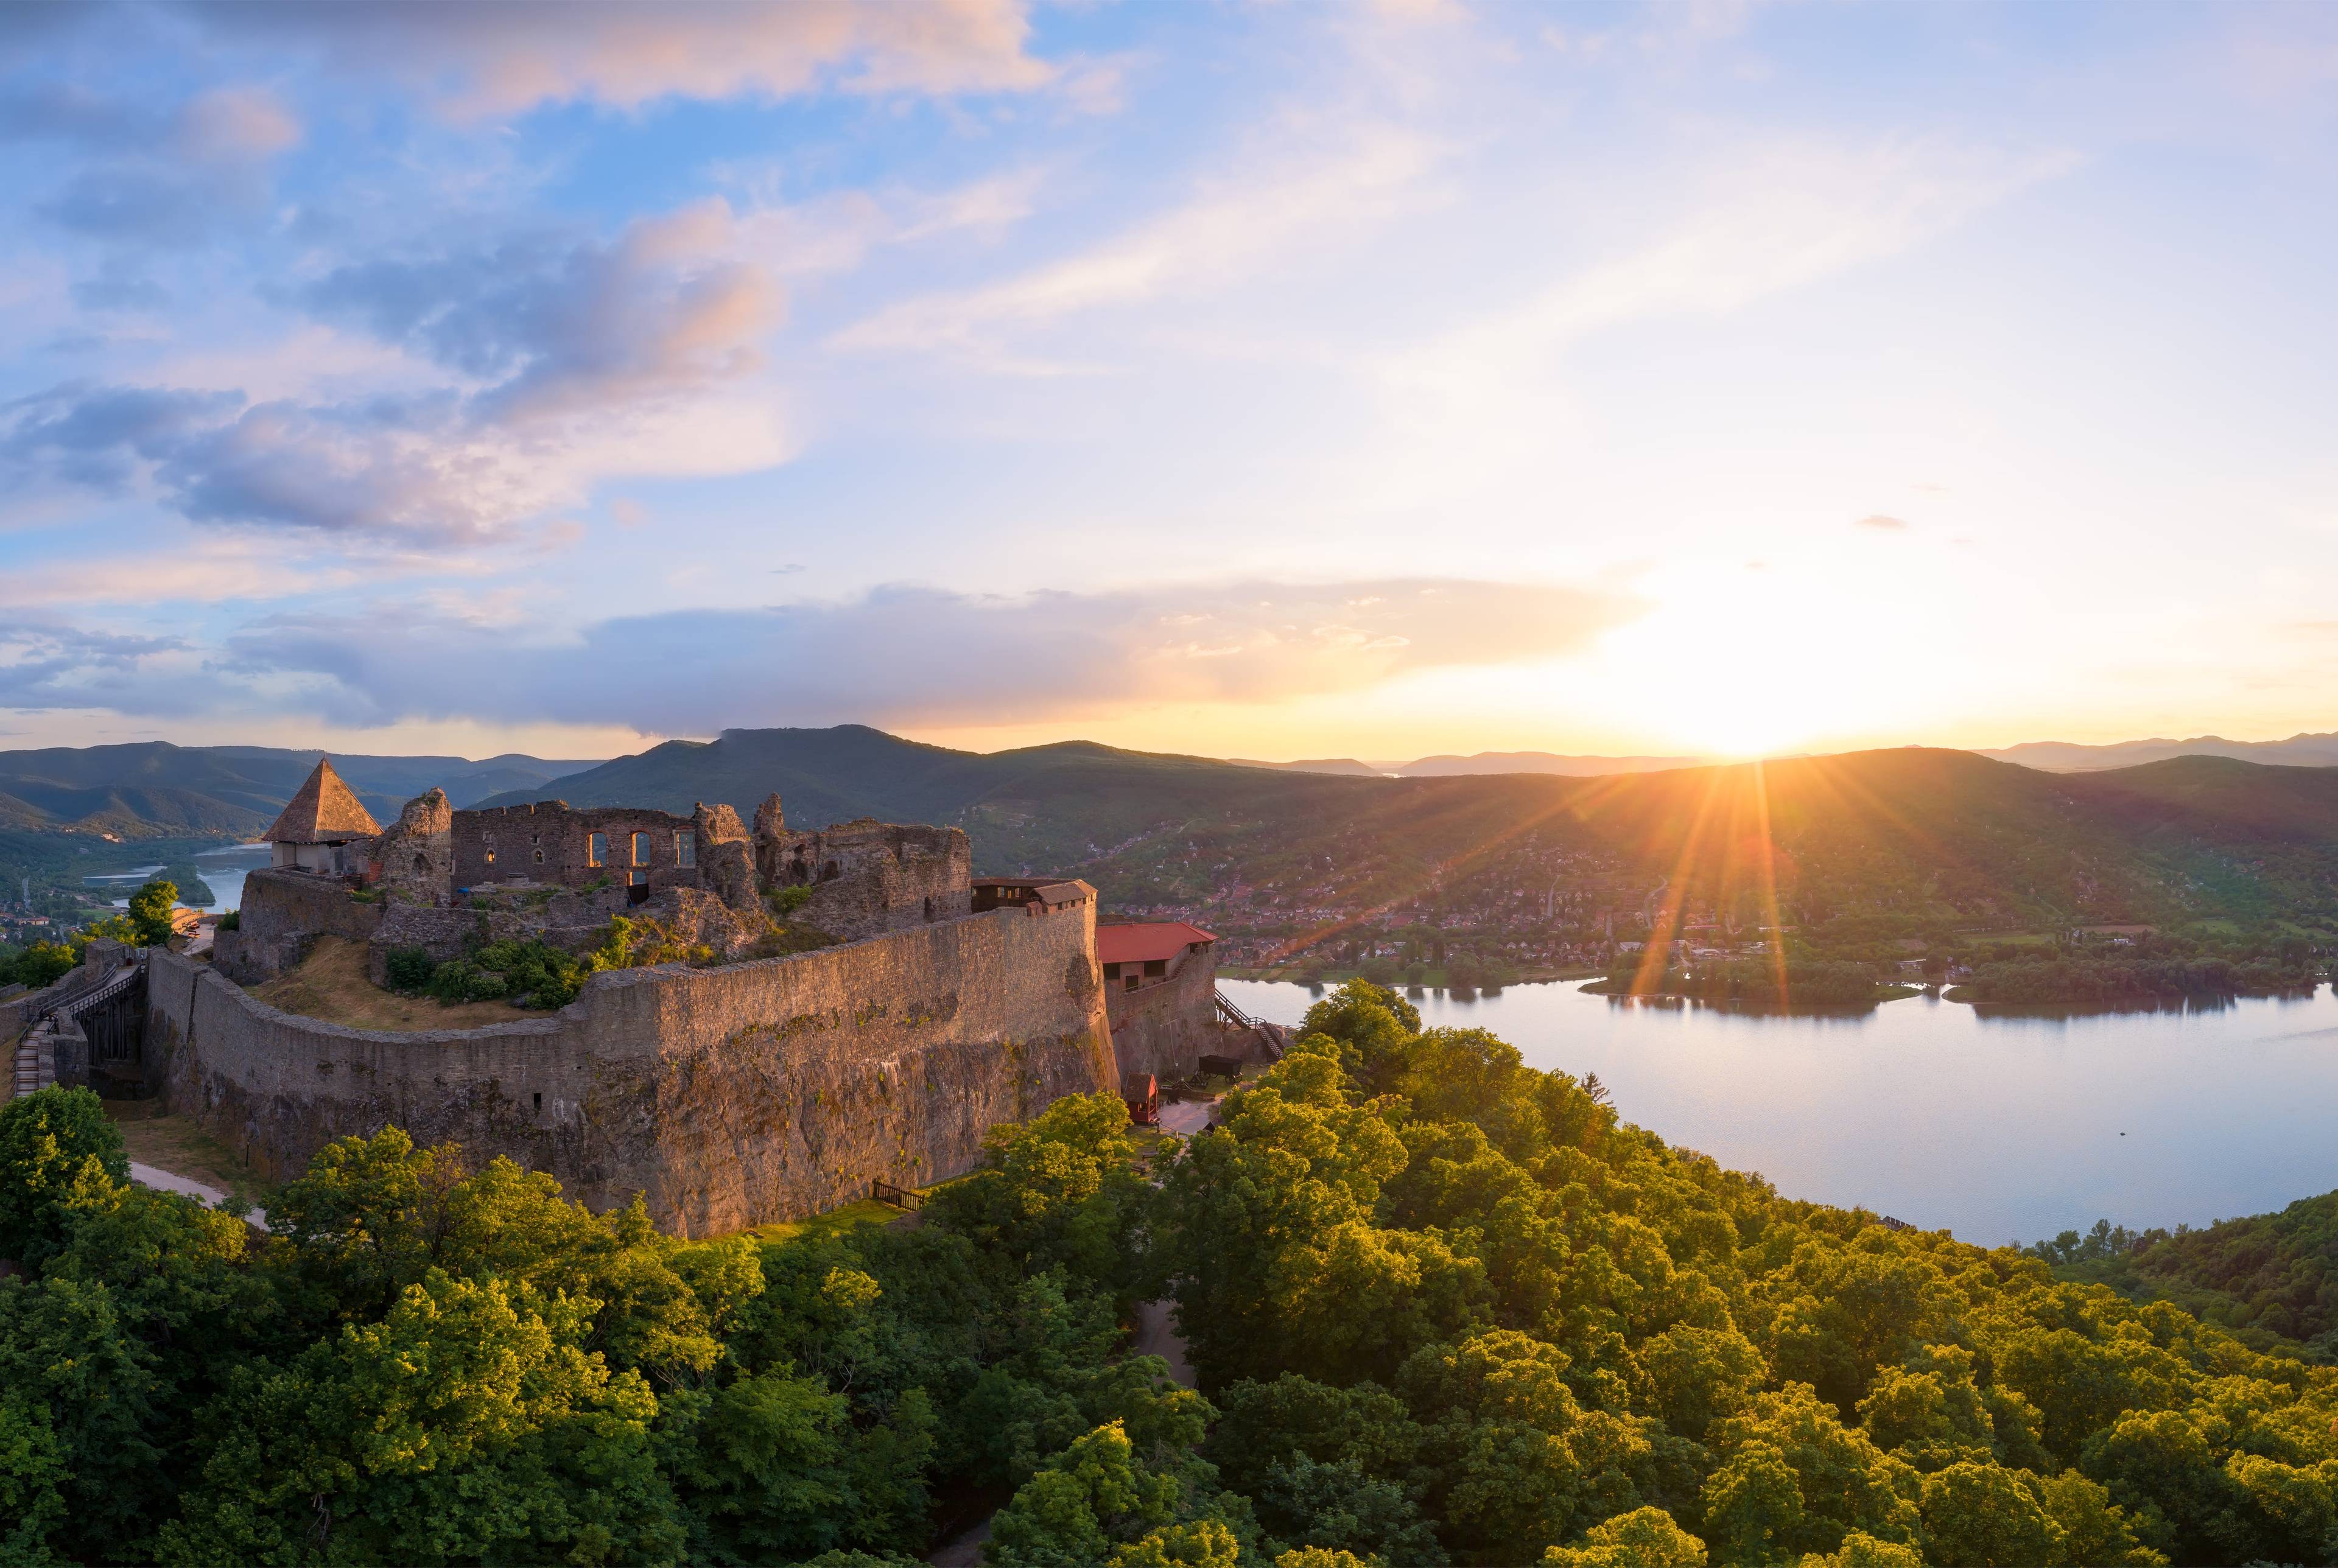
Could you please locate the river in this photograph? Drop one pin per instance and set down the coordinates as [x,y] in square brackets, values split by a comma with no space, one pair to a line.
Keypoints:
[223,871]
[1996,1128]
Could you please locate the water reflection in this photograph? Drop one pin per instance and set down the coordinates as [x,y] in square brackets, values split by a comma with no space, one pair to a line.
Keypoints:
[2003,1126]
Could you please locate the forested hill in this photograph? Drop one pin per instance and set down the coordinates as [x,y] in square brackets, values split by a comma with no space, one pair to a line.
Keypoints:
[1913,833]
[154,788]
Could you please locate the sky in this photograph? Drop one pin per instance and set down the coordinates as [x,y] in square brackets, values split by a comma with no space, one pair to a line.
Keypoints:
[1272,380]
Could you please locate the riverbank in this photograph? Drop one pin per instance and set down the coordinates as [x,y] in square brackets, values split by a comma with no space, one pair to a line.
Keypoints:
[1998,1125]
[1426,979]
[1620,986]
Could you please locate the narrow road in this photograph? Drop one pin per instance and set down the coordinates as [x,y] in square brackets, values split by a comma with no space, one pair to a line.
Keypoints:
[163,1180]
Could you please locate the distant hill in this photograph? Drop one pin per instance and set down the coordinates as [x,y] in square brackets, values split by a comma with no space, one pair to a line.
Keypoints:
[1482,763]
[1909,833]
[1947,839]
[2064,756]
[1344,767]
[154,788]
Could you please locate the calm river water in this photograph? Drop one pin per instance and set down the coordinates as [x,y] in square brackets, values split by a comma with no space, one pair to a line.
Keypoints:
[1999,1129]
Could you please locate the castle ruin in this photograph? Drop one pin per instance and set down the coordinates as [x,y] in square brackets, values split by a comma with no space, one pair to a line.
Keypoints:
[733,1092]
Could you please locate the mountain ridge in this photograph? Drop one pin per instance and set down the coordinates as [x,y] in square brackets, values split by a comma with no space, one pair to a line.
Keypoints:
[150,788]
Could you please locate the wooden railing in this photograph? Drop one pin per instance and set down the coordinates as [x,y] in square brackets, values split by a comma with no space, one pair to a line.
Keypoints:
[908,1198]
[1232,1013]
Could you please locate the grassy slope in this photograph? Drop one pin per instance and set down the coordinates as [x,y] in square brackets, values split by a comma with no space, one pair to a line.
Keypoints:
[330,984]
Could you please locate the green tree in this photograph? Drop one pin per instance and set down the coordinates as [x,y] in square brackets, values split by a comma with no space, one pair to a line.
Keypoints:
[461,1428]
[1863,1551]
[49,1142]
[1061,1191]
[40,966]
[150,912]
[1083,1505]
[1643,1538]
[1977,1515]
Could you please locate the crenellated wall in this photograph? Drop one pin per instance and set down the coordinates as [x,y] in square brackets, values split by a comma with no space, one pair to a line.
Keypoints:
[731,1095]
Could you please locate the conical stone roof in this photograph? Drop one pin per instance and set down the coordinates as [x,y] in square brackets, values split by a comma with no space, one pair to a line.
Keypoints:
[324,812]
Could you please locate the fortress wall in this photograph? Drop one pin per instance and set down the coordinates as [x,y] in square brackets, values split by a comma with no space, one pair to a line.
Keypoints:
[551,841]
[870,876]
[281,911]
[1166,1028]
[732,1096]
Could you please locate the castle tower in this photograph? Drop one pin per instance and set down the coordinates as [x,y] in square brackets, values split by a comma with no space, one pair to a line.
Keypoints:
[323,827]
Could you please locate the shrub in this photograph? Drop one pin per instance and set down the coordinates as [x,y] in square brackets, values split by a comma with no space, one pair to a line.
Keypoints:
[533,974]
[231,921]
[786,901]
[461,980]
[411,970]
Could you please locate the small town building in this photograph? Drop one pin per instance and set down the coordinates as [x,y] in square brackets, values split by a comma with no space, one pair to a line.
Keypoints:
[323,828]
[1151,954]
[1160,994]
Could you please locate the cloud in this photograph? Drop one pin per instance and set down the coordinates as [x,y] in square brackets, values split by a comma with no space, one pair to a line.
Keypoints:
[558,361]
[155,176]
[1878,520]
[47,664]
[908,655]
[233,124]
[1221,233]
[504,56]
[551,327]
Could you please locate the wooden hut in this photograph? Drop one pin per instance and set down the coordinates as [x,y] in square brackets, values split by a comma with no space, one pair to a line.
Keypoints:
[1142,1093]
[323,828]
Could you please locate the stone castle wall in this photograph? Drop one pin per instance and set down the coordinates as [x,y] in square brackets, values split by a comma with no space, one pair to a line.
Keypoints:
[280,913]
[414,859]
[731,1096]
[1166,1028]
[868,876]
[551,841]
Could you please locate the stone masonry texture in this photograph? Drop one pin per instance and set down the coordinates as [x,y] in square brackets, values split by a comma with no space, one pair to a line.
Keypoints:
[731,1096]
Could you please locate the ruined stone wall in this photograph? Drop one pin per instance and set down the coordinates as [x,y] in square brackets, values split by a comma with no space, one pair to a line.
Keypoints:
[414,859]
[549,841]
[868,876]
[279,914]
[731,1096]
[570,919]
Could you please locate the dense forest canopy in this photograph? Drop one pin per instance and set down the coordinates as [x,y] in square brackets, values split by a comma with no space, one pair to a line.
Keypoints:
[1444,1309]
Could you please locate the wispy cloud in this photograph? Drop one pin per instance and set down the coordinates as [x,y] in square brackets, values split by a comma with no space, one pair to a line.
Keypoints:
[1226,229]
[489,59]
